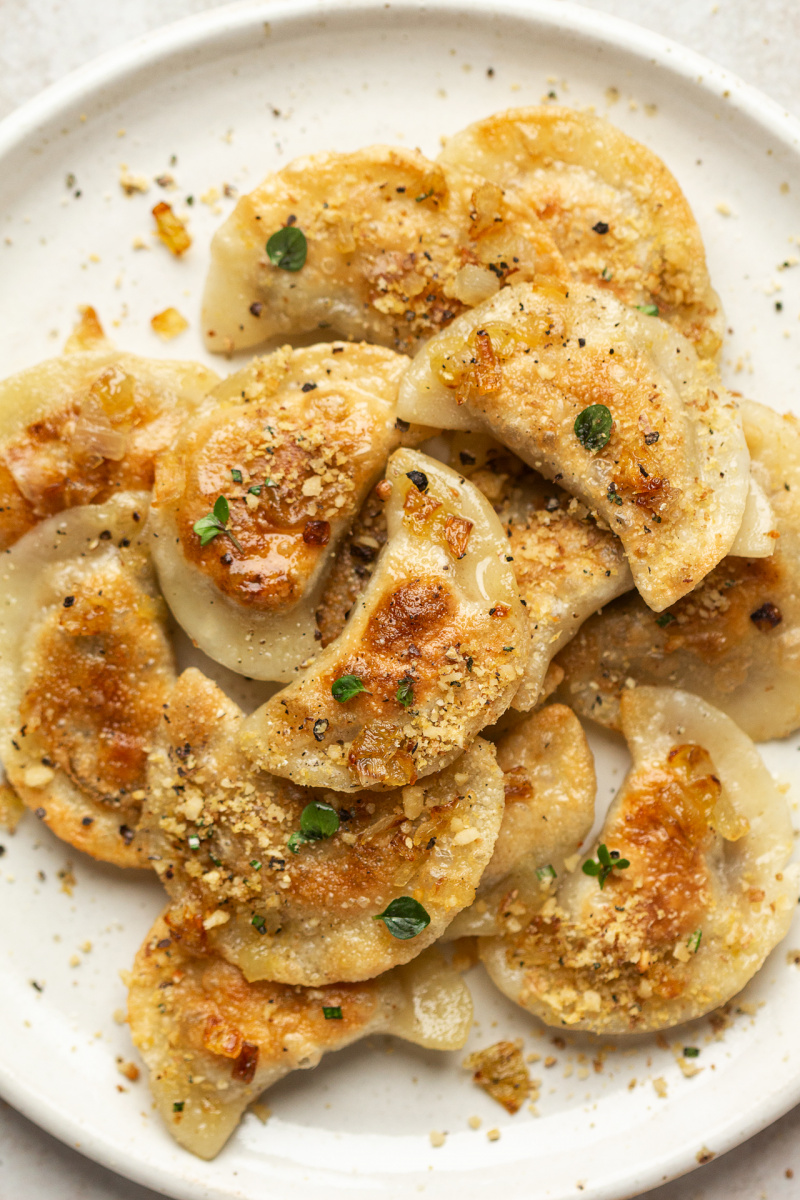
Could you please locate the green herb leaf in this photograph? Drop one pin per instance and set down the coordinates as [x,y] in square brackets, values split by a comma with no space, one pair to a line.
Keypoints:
[296,840]
[404,918]
[548,872]
[194,841]
[255,864]
[236,475]
[405,692]
[259,922]
[665,619]
[222,510]
[694,941]
[593,427]
[423,196]
[207,528]
[255,490]
[607,861]
[332,1012]
[177,1105]
[691,1052]
[318,821]
[649,310]
[346,687]
[607,274]
[288,248]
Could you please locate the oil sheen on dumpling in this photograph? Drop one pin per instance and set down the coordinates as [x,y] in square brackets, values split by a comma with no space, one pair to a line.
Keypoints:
[85,669]
[734,640]
[615,212]
[293,442]
[550,787]
[225,842]
[706,896]
[78,429]
[396,247]
[433,651]
[213,1042]
[672,479]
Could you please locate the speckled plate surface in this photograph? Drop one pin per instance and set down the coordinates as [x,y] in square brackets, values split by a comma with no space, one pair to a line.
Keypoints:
[221,99]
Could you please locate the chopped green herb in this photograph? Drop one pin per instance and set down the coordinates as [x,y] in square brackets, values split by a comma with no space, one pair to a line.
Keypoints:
[469,662]
[255,490]
[177,1105]
[236,475]
[593,427]
[649,310]
[691,1052]
[346,687]
[332,1012]
[213,523]
[612,495]
[423,196]
[694,941]
[259,922]
[548,872]
[404,918]
[317,821]
[665,619]
[269,482]
[607,274]
[194,841]
[255,864]
[288,248]
[405,692]
[607,861]
[508,649]
[216,861]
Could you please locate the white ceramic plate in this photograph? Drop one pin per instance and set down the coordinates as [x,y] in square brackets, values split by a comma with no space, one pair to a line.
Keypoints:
[233,94]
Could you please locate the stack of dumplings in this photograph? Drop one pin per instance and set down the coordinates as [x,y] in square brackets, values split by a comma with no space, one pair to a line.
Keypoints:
[517,495]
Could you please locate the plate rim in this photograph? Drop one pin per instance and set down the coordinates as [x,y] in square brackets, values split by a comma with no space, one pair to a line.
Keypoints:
[197,31]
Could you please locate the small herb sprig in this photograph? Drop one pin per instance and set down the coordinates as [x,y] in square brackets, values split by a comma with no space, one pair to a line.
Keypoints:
[346,687]
[607,861]
[593,427]
[317,822]
[288,248]
[214,523]
[404,918]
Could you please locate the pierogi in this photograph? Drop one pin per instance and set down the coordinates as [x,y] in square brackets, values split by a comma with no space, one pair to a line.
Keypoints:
[734,640]
[550,787]
[667,466]
[78,429]
[689,892]
[212,1042]
[85,670]
[293,442]
[246,883]
[433,652]
[613,209]
[392,247]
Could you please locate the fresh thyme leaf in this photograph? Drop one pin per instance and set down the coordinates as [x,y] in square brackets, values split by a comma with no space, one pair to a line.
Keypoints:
[649,310]
[255,490]
[222,510]
[404,918]
[548,872]
[296,840]
[236,475]
[423,196]
[177,1105]
[259,923]
[593,427]
[287,248]
[214,523]
[405,692]
[332,1012]
[318,821]
[691,1052]
[346,687]
[255,864]
[607,861]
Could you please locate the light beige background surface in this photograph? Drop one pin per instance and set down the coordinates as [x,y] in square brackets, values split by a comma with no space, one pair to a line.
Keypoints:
[41,41]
